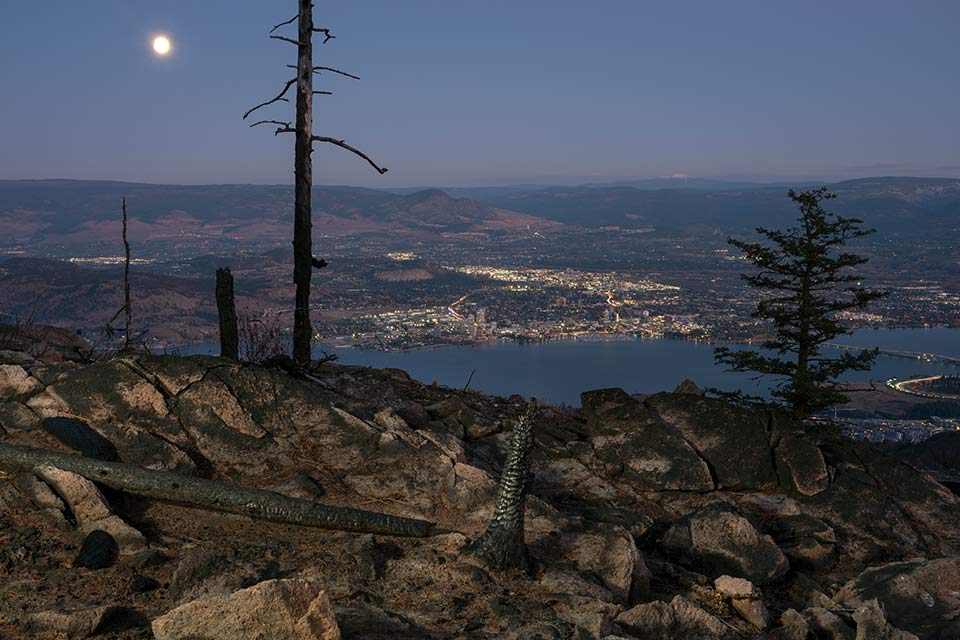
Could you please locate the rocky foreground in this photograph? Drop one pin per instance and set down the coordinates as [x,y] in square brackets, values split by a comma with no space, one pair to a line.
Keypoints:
[670,516]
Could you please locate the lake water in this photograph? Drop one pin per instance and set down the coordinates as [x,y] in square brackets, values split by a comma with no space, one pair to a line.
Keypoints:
[558,371]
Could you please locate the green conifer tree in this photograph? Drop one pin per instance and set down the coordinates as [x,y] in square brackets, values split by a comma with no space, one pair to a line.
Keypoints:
[805,278]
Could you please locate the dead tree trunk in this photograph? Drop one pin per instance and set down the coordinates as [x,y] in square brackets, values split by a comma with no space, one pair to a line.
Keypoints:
[126,279]
[303,260]
[213,495]
[303,176]
[227,313]
[501,546]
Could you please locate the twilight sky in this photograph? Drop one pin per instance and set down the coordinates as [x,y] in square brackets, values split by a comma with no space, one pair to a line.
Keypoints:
[469,93]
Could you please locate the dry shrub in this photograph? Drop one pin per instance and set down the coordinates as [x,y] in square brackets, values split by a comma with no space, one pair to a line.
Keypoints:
[261,338]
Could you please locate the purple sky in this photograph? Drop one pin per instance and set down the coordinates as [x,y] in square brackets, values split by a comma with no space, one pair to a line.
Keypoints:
[457,93]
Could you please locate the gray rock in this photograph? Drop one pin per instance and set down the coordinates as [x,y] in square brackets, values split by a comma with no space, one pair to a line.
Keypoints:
[718,541]
[919,596]
[634,446]
[807,541]
[203,573]
[745,598]
[873,625]
[801,465]
[90,509]
[733,441]
[16,383]
[827,625]
[792,627]
[676,620]
[688,387]
[77,623]
[293,609]
[15,416]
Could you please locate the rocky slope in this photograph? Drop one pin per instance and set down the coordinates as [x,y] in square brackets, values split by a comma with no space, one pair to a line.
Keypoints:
[667,516]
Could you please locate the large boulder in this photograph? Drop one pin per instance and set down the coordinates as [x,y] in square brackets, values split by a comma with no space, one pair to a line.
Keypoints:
[801,465]
[293,609]
[919,596]
[734,441]
[718,541]
[634,446]
[807,541]
[677,620]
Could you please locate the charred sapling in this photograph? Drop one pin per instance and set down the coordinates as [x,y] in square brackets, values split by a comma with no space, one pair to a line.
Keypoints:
[501,546]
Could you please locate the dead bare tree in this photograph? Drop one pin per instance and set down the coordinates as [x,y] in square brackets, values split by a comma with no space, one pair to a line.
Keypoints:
[303,260]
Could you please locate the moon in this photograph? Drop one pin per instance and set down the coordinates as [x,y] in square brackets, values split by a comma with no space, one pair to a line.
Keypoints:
[161,45]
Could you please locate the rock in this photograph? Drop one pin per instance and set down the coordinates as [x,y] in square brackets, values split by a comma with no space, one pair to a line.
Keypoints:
[367,621]
[17,417]
[801,465]
[98,551]
[413,414]
[452,407]
[688,387]
[387,419]
[717,541]
[481,429]
[827,625]
[919,596]
[77,435]
[745,599]
[147,559]
[734,441]
[676,620]
[873,625]
[635,447]
[592,618]
[43,497]
[90,509]
[606,554]
[139,447]
[78,623]
[808,542]
[16,383]
[203,573]
[294,609]
[792,627]
[142,584]
[300,486]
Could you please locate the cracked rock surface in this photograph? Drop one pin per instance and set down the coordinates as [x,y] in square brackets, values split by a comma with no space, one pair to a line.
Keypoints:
[636,506]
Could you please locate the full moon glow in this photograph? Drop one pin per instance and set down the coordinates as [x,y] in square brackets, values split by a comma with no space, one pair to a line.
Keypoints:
[161,45]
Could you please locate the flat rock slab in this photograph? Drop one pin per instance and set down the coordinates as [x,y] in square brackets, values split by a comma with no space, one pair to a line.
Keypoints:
[293,609]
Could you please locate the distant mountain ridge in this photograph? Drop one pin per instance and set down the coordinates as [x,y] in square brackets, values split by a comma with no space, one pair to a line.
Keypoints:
[82,211]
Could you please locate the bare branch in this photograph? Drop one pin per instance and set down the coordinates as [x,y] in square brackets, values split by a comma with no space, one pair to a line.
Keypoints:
[279,98]
[324,93]
[331,69]
[326,32]
[344,145]
[284,23]
[282,124]
[290,40]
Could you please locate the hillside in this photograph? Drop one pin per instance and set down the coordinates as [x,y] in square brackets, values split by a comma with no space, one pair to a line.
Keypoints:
[670,516]
[86,212]
[894,206]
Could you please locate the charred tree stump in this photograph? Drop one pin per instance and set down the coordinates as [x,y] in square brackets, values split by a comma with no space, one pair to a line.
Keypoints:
[128,314]
[227,313]
[501,546]
[211,494]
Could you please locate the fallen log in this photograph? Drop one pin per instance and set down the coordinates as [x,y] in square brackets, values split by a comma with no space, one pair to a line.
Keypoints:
[212,494]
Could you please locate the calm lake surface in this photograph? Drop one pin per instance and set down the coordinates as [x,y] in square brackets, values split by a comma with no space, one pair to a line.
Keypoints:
[558,371]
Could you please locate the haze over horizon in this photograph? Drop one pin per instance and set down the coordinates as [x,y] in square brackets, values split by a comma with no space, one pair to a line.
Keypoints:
[484,95]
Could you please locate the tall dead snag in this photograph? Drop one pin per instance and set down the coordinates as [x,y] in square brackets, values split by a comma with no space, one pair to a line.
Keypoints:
[303,260]
[126,279]
[227,314]
[501,546]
